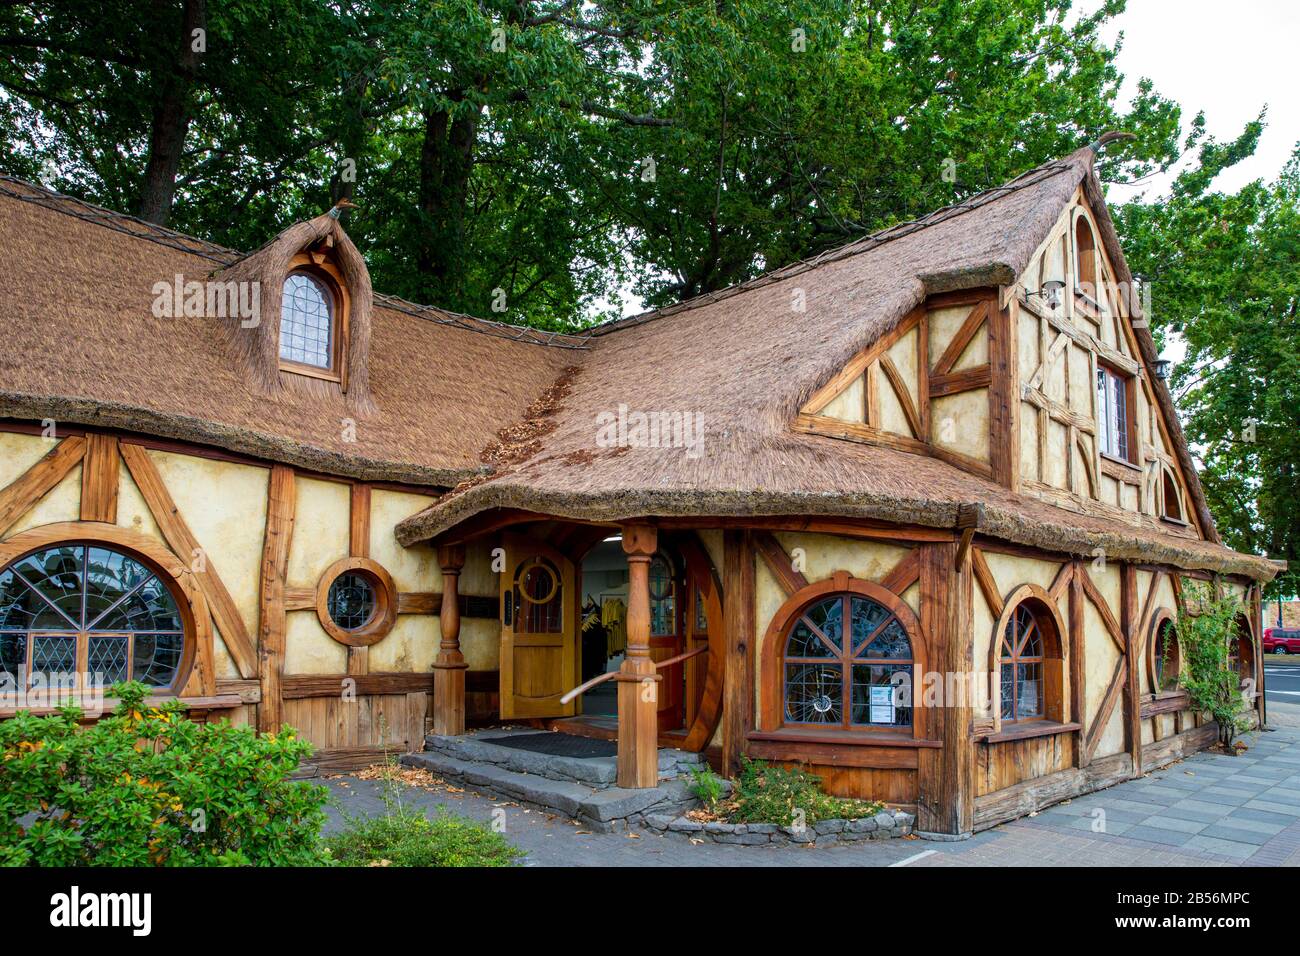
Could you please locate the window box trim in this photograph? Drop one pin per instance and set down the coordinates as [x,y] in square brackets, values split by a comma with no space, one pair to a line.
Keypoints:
[1027,729]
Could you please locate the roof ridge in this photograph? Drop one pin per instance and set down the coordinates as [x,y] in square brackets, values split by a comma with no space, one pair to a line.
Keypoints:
[836,253]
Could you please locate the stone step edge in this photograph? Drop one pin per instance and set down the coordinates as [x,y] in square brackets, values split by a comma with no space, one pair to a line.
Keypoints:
[598,772]
[603,810]
[886,825]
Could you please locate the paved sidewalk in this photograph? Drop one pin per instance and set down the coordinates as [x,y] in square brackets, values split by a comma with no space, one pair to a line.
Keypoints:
[1209,810]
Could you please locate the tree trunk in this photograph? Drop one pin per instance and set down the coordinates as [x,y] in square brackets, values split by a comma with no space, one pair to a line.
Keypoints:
[171,116]
[446,163]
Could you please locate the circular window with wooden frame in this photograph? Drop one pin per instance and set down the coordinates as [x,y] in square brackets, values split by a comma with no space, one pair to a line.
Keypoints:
[356,602]
[1163,660]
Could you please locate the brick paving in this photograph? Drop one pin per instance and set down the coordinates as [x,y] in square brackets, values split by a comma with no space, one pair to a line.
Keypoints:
[1208,810]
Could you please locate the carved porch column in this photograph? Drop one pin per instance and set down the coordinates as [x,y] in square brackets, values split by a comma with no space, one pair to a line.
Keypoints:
[449,666]
[638,688]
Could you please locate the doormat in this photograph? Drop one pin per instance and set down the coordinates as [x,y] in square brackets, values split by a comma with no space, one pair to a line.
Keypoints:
[556,744]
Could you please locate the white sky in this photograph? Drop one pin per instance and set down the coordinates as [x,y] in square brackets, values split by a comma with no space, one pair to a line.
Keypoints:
[1228,58]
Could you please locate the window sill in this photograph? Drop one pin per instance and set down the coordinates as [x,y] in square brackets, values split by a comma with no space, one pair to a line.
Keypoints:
[1124,463]
[845,738]
[311,371]
[1179,522]
[1027,730]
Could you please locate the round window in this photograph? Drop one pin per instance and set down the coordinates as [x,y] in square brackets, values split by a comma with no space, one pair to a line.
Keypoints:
[352,601]
[356,603]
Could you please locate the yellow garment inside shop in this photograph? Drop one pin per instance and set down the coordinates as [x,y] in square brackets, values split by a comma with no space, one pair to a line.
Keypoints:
[613,614]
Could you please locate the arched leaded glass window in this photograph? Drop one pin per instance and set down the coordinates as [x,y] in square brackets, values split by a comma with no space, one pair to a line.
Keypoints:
[90,609]
[1022,666]
[848,663]
[307,322]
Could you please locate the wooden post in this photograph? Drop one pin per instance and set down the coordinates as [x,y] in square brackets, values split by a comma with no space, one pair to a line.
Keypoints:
[946,777]
[280,508]
[1004,394]
[638,691]
[1078,672]
[449,666]
[1133,661]
[739,639]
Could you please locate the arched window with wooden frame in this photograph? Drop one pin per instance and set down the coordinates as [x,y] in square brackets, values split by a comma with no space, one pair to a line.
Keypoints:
[843,656]
[101,604]
[1027,659]
[1241,652]
[1171,496]
[1163,659]
[314,307]
[1085,259]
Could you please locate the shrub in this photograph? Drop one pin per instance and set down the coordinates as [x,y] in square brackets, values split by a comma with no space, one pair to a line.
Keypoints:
[765,793]
[407,838]
[1204,638]
[706,785]
[149,787]
[402,837]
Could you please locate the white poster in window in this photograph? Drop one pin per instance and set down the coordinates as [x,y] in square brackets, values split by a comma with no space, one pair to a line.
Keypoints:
[881,707]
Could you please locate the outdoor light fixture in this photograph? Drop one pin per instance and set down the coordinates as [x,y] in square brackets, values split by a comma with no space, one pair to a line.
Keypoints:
[1161,368]
[1051,293]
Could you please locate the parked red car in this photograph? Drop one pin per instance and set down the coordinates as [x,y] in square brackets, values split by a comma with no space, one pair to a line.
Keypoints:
[1281,640]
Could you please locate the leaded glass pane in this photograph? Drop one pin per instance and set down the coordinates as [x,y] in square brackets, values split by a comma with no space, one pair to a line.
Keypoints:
[867,616]
[107,657]
[814,693]
[828,616]
[1029,690]
[19,604]
[804,642]
[351,601]
[1008,690]
[54,653]
[701,621]
[663,600]
[55,574]
[109,575]
[539,598]
[13,658]
[882,695]
[155,658]
[890,644]
[305,322]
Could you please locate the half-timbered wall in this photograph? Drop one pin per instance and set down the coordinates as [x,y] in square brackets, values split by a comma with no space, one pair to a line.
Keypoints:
[1059,352]
[259,539]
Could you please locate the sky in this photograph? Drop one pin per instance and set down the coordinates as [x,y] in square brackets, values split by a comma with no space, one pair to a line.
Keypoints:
[1228,58]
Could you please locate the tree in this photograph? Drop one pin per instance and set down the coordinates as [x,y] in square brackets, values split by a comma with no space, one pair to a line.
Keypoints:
[1224,270]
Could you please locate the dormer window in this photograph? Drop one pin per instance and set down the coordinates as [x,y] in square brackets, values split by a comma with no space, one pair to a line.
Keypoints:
[1171,498]
[307,322]
[314,319]
[1085,258]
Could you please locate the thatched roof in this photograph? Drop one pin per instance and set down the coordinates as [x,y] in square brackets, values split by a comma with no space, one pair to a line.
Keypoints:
[746,362]
[511,414]
[82,346]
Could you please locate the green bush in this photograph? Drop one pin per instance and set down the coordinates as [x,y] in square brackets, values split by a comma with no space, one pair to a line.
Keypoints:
[766,793]
[706,785]
[407,838]
[149,787]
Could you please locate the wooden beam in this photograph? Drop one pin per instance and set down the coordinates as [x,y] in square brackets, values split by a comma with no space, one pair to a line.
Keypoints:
[359,521]
[99,479]
[906,573]
[1004,397]
[957,345]
[449,666]
[1078,656]
[779,562]
[899,385]
[859,363]
[738,628]
[638,691]
[1061,581]
[988,586]
[181,540]
[1103,609]
[1132,651]
[1113,691]
[281,507]
[31,486]
[964,381]
[946,777]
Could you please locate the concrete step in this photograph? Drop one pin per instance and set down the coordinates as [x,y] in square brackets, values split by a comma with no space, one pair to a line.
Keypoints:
[603,808]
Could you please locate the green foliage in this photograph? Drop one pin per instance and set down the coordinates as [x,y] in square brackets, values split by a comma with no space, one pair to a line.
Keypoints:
[706,785]
[149,787]
[405,837]
[1204,637]
[766,793]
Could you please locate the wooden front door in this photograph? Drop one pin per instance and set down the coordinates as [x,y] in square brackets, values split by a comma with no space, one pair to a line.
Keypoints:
[539,659]
[667,635]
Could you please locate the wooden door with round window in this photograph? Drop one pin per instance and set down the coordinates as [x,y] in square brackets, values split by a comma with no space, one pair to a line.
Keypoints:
[667,635]
[539,659]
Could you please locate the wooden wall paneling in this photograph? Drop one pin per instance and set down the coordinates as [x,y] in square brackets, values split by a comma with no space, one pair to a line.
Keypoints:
[181,540]
[280,511]
[738,628]
[18,497]
[99,479]
[946,777]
